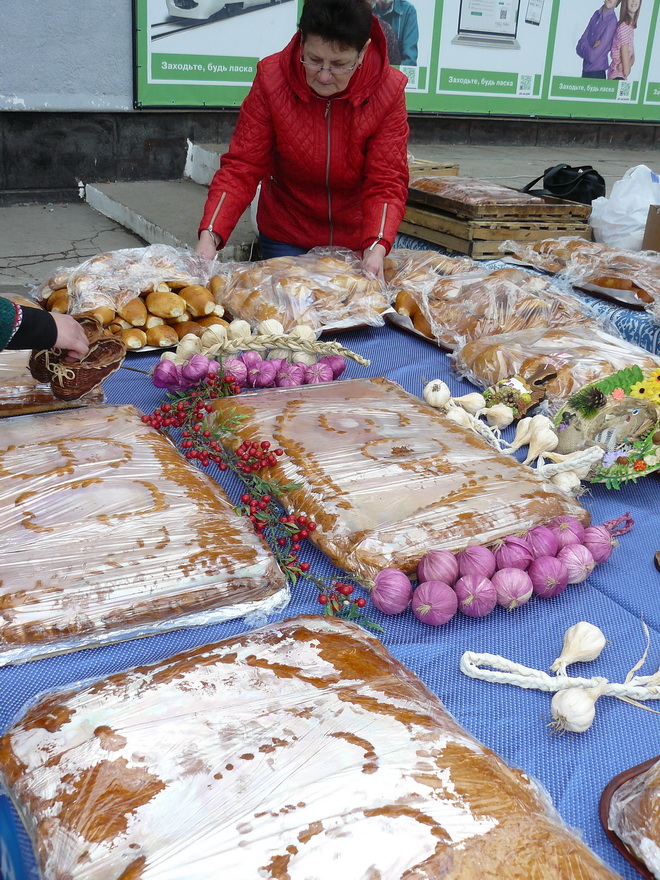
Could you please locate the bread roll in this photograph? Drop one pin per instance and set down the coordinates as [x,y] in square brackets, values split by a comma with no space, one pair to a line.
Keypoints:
[134,311]
[217,284]
[200,301]
[133,338]
[104,314]
[165,305]
[184,327]
[59,302]
[211,321]
[162,336]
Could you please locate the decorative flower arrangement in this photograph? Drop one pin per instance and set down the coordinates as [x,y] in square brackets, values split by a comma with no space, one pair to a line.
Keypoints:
[185,416]
[621,414]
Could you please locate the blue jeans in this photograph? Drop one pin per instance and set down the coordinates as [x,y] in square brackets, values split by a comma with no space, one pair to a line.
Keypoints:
[270,248]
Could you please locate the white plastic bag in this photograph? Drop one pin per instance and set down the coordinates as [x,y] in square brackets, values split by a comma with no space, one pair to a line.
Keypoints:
[620,220]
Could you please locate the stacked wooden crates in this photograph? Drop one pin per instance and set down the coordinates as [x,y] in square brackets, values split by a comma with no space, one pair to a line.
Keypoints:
[473,217]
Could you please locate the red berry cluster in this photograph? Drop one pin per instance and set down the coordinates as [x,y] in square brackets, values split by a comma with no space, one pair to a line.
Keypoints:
[253,457]
[188,411]
[336,599]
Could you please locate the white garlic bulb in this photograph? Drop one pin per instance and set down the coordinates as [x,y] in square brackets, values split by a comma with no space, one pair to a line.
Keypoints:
[567,481]
[499,415]
[436,393]
[277,353]
[216,334]
[582,642]
[270,327]
[542,439]
[302,357]
[523,431]
[303,331]
[459,415]
[239,330]
[574,709]
[169,356]
[473,403]
[188,346]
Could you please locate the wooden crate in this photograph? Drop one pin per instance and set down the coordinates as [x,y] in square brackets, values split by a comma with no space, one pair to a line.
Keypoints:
[432,169]
[504,203]
[481,238]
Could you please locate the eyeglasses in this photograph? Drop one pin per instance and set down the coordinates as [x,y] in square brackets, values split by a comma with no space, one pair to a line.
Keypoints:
[333,68]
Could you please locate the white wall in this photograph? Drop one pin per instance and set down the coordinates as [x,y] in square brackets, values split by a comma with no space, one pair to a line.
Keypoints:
[66,55]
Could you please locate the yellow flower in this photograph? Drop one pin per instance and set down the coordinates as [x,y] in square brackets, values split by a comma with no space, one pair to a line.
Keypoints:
[654,378]
[642,390]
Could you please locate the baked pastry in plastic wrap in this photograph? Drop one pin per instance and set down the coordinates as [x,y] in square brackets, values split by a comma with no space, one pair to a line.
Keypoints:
[387,477]
[323,289]
[405,265]
[633,814]
[577,357]
[108,533]
[149,296]
[462,308]
[614,270]
[552,254]
[20,393]
[301,750]
[472,192]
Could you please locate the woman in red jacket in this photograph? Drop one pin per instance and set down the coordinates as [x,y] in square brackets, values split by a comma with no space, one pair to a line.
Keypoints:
[324,129]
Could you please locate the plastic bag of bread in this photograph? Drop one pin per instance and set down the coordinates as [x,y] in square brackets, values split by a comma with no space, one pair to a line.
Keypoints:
[568,359]
[612,270]
[109,533]
[404,265]
[633,813]
[471,192]
[150,296]
[323,289]
[300,750]
[387,477]
[552,254]
[462,308]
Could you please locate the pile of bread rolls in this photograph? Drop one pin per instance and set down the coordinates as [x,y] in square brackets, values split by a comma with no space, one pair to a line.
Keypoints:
[159,316]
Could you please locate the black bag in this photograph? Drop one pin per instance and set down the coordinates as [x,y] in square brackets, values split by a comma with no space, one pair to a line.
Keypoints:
[583,184]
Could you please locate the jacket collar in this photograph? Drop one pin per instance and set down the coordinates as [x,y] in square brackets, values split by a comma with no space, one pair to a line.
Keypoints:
[361,85]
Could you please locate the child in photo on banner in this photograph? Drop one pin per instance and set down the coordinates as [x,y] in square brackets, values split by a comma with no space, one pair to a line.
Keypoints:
[623,49]
[596,42]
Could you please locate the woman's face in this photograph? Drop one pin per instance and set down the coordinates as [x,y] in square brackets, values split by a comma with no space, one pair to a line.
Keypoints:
[328,68]
[633,6]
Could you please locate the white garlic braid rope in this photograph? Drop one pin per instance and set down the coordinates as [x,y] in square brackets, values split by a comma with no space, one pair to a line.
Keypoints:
[480,427]
[582,459]
[262,343]
[503,671]
[61,372]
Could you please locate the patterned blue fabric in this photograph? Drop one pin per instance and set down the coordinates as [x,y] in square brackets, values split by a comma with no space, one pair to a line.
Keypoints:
[574,768]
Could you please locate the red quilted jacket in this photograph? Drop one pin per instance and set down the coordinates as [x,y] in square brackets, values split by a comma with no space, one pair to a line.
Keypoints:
[333,171]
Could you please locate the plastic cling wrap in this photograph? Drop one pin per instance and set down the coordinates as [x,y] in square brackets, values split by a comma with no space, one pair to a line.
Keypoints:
[107,532]
[612,271]
[323,289]
[634,815]
[387,477]
[302,750]
[552,254]
[20,393]
[577,357]
[461,308]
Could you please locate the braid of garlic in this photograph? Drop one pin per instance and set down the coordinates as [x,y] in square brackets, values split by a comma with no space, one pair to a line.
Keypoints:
[263,343]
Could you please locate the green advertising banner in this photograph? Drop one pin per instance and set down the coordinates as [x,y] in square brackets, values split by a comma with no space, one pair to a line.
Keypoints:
[553,58]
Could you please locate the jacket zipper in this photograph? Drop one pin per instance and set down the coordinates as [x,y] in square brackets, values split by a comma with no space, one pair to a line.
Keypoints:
[215,213]
[327,169]
[381,231]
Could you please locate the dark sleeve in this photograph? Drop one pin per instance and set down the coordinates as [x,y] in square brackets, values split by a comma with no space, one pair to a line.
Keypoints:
[37,330]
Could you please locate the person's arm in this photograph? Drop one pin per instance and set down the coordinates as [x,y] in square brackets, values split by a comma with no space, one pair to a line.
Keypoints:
[385,188]
[626,60]
[241,168]
[409,36]
[32,328]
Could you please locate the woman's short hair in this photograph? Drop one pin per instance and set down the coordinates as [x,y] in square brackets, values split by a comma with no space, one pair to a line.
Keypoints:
[628,17]
[345,23]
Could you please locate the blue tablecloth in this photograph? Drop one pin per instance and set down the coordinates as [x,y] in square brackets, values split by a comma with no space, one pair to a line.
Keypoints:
[574,768]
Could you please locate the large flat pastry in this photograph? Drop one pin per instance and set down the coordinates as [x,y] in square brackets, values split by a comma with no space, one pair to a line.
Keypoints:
[106,530]
[387,477]
[301,751]
[20,393]
[633,813]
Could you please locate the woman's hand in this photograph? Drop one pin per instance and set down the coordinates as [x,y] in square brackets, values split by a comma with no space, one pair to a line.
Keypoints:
[206,245]
[372,261]
[70,337]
